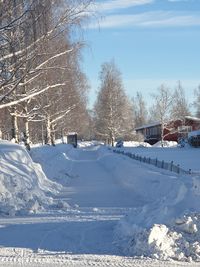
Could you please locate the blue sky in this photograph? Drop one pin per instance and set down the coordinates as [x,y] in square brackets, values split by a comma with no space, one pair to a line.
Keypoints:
[151,41]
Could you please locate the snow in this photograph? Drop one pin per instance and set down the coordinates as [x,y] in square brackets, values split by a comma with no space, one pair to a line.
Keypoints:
[136,144]
[192,118]
[166,144]
[167,227]
[24,187]
[92,207]
[187,157]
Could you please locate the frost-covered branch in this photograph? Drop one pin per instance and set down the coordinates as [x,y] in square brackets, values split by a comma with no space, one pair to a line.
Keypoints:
[31,95]
[63,113]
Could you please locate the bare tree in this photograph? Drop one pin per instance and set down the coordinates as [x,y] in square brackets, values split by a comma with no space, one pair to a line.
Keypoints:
[113,111]
[140,110]
[180,107]
[197,101]
[31,49]
[161,107]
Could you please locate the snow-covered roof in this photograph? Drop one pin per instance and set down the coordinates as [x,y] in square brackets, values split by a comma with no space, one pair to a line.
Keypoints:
[158,123]
[192,118]
[72,133]
[148,125]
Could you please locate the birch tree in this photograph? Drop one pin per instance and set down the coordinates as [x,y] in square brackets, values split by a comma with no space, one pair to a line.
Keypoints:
[28,32]
[180,106]
[196,103]
[113,111]
[161,107]
[140,110]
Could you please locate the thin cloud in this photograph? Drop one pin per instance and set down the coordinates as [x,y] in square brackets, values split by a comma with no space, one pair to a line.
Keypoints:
[149,19]
[180,0]
[112,5]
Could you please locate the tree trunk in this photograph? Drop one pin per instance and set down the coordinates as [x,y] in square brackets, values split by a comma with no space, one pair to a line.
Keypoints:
[14,130]
[26,134]
[112,139]
[53,137]
[48,132]
[162,134]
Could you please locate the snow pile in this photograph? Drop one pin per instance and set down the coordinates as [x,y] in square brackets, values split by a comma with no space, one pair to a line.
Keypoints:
[165,223]
[136,144]
[24,187]
[58,162]
[164,215]
[180,240]
[166,144]
[48,154]
[168,227]
[85,144]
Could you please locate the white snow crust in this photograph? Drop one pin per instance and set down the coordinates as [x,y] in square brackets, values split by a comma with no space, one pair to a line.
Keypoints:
[24,188]
[168,225]
[98,203]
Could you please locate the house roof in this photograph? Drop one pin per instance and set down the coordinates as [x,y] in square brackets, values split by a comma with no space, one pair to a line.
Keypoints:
[192,118]
[148,125]
[159,123]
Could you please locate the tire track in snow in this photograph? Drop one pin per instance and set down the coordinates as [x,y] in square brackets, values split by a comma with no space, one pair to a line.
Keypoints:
[48,259]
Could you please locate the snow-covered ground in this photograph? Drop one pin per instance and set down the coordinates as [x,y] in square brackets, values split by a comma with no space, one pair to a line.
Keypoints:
[187,157]
[97,208]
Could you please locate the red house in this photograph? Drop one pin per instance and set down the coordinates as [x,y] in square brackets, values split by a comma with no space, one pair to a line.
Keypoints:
[173,130]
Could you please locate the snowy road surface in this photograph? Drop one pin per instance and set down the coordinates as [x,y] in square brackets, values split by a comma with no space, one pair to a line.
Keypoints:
[82,235]
[76,239]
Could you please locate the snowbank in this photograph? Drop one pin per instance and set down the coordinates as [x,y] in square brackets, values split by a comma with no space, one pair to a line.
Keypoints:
[58,162]
[179,240]
[165,223]
[85,144]
[166,144]
[24,187]
[136,144]
[166,226]
[164,219]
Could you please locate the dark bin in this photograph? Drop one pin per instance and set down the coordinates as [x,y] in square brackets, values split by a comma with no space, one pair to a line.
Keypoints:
[72,139]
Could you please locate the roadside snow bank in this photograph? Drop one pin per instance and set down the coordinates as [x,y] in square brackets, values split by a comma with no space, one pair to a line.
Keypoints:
[167,228]
[180,240]
[136,144]
[166,144]
[85,144]
[166,224]
[58,162]
[24,187]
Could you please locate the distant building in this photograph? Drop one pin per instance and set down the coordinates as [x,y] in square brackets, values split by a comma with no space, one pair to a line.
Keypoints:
[173,130]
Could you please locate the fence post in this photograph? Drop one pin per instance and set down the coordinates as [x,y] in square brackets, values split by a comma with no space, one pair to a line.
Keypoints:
[178,168]
[162,166]
[171,167]
[190,171]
